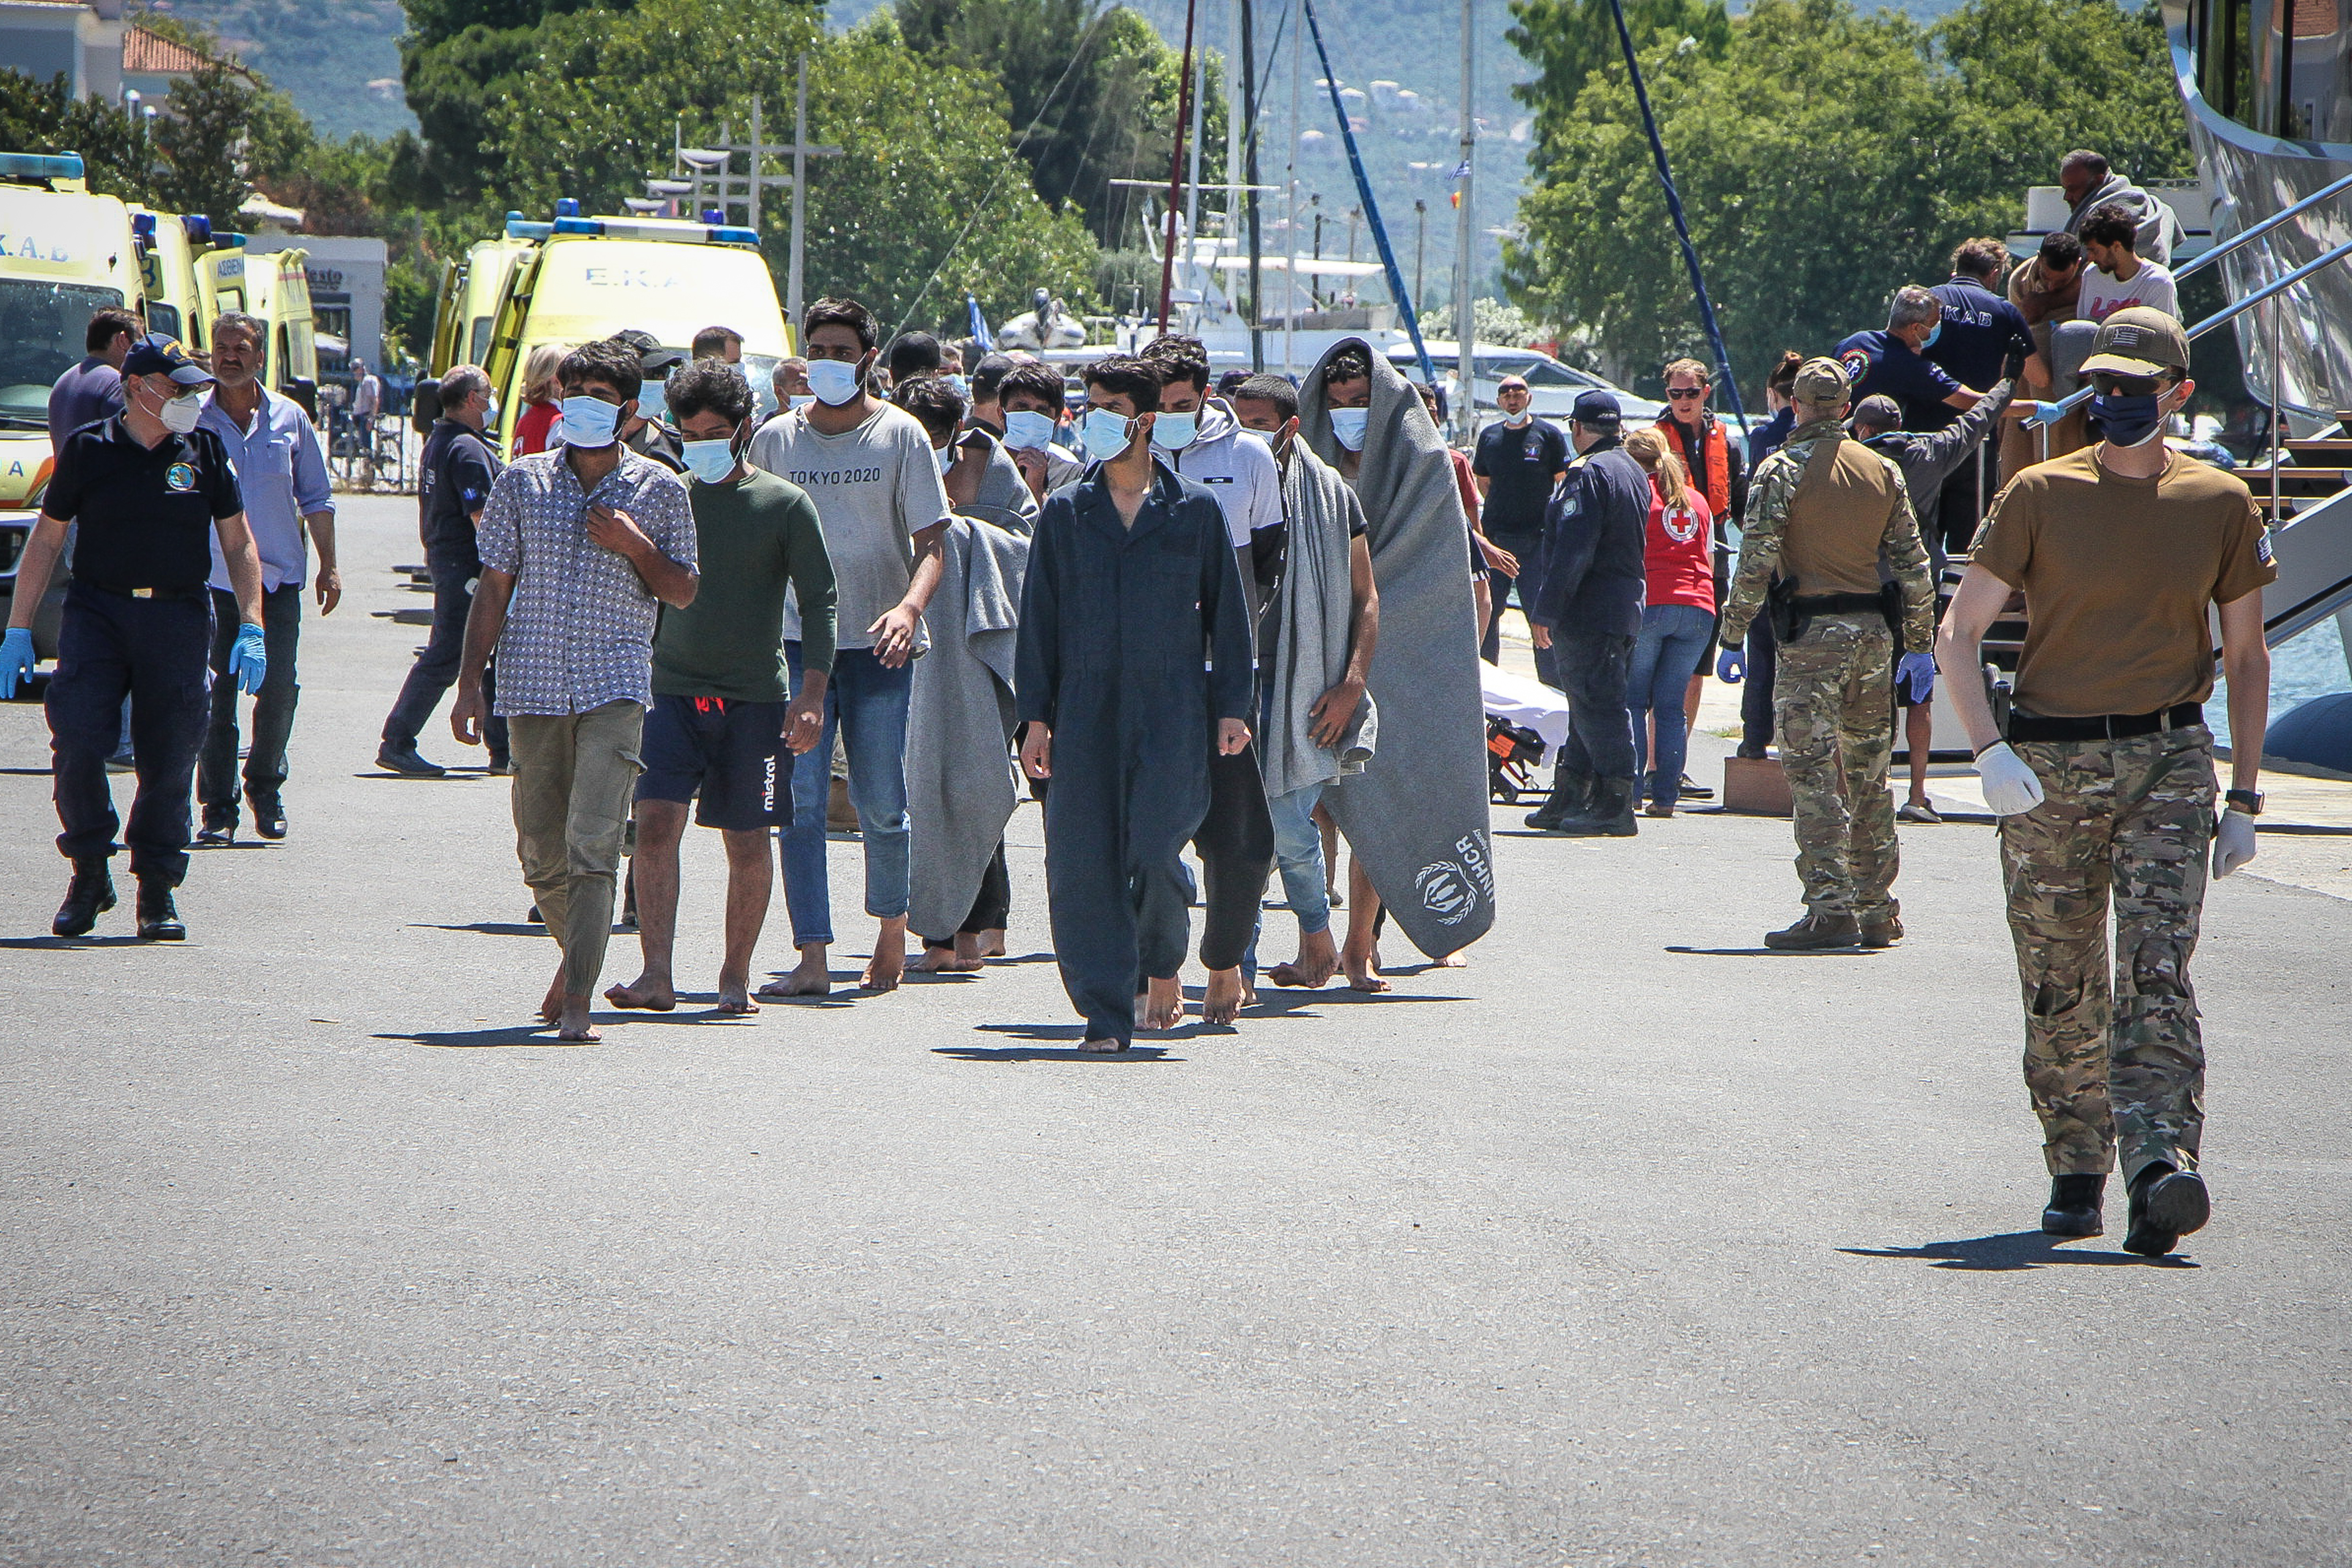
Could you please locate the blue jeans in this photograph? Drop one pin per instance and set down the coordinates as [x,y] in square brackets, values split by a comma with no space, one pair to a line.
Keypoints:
[866,702]
[1664,654]
[1298,855]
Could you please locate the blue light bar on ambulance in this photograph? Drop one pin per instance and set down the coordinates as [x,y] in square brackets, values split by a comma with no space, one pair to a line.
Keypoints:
[521,228]
[676,231]
[567,206]
[197,227]
[143,225]
[40,167]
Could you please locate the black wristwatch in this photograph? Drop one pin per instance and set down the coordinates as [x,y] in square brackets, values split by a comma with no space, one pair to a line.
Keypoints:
[2249,801]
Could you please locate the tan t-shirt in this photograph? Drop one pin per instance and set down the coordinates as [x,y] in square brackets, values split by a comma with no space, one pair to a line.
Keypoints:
[2118,574]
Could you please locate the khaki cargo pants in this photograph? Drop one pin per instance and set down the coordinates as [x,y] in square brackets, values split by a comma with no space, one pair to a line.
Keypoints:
[2113,1060]
[574,775]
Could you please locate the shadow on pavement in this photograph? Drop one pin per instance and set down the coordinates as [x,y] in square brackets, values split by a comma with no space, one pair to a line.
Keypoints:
[2009,1252]
[490,928]
[1776,951]
[1070,1053]
[68,943]
[505,1034]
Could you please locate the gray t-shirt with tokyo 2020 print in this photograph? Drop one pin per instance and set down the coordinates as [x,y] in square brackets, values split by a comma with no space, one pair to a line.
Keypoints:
[876,488]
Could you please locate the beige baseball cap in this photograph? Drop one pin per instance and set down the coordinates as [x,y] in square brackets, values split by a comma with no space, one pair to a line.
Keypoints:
[1821,383]
[2139,340]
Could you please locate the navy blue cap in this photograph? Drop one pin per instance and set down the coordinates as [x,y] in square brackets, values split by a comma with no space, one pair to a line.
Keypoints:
[1597,408]
[158,353]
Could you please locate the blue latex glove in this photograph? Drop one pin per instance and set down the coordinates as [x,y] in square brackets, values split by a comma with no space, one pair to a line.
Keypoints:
[2044,414]
[1915,677]
[16,661]
[1732,667]
[247,662]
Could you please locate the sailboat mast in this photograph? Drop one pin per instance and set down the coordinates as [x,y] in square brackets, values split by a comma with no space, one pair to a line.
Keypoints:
[1176,165]
[1466,245]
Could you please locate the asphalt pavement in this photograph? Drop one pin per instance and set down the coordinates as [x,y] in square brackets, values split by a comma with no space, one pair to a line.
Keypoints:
[1627,1244]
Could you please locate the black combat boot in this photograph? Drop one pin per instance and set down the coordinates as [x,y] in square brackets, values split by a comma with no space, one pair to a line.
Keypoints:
[1570,794]
[1611,815]
[1815,934]
[2074,1206]
[2165,1205]
[90,895]
[159,917]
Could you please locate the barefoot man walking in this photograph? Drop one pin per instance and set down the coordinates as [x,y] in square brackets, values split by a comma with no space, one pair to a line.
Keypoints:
[579,546]
[719,717]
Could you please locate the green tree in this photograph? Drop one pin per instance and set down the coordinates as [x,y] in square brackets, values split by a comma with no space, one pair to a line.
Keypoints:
[1568,40]
[45,117]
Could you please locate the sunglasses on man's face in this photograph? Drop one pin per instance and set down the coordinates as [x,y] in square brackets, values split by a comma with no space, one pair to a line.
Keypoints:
[1679,393]
[2109,385]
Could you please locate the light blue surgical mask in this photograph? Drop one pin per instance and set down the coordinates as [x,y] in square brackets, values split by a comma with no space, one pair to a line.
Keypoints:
[946,456]
[710,461]
[1174,432]
[1028,430]
[800,399]
[962,384]
[834,381]
[1104,433]
[1348,427]
[1933,333]
[590,422]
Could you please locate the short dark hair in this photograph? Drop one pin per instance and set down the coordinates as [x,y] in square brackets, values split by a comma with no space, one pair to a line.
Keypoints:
[914,355]
[1039,381]
[1351,363]
[712,342]
[1432,398]
[2061,250]
[933,400]
[830,313]
[2110,224]
[1783,378]
[1230,380]
[109,324]
[2084,158]
[1980,259]
[710,386]
[637,338]
[1137,379]
[608,359]
[989,374]
[1273,389]
[1180,358]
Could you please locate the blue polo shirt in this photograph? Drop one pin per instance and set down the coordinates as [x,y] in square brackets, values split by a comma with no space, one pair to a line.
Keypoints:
[1981,330]
[282,475]
[1879,363]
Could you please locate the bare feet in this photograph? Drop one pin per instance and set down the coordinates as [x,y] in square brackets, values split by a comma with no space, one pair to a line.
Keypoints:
[1223,998]
[1317,960]
[963,958]
[735,996]
[550,1006]
[810,977]
[1454,961]
[647,992]
[574,1027]
[1364,970]
[1103,1048]
[888,964]
[1163,1004]
[992,942]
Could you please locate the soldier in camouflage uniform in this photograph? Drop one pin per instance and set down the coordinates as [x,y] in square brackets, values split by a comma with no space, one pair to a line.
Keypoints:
[2104,785]
[1824,513]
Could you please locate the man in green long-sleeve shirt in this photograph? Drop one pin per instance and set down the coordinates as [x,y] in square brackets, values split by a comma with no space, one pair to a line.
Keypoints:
[721,680]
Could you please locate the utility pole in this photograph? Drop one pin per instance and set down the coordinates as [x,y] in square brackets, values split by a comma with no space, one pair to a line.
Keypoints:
[757,152]
[1176,165]
[1465,249]
[802,154]
[1249,159]
[1419,245]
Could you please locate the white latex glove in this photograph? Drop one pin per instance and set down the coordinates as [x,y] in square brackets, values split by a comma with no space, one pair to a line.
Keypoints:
[2233,842]
[2009,787]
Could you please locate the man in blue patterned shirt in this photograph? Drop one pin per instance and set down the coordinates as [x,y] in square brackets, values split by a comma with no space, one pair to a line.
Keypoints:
[581,546]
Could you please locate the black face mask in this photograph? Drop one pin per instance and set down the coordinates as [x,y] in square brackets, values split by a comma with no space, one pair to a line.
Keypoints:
[2128,421]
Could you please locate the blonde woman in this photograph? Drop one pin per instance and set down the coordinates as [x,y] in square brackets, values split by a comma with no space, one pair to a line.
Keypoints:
[1677,616]
[534,427]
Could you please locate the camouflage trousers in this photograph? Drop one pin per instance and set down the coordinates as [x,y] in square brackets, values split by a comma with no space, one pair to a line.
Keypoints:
[1834,703]
[2113,1060]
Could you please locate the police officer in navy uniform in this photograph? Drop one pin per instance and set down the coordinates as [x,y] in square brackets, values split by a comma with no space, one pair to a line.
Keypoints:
[147,488]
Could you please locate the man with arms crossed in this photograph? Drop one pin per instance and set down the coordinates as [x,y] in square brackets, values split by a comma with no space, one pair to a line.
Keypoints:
[718,714]
[872,473]
[580,547]
[2105,783]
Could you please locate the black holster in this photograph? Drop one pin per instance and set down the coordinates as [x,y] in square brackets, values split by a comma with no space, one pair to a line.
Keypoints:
[1792,613]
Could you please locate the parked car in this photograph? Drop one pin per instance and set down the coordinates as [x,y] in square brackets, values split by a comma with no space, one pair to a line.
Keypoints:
[16,529]
[1552,386]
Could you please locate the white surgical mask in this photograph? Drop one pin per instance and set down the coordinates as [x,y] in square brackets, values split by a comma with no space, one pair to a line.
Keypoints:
[588,422]
[1348,427]
[834,381]
[1104,433]
[946,456]
[180,413]
[800,399]
[1516,420]
[1028,430]
[710,461]
[1174,432]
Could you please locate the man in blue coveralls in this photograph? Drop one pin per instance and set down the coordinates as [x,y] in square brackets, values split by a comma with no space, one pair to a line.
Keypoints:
[1134,662]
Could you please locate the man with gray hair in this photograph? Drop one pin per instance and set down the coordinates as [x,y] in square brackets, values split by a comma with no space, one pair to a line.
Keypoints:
[2090,184]
[1893,363]
[452,484]
[289,507]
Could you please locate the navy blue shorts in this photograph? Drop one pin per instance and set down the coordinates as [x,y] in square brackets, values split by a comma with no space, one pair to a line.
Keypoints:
[723,751]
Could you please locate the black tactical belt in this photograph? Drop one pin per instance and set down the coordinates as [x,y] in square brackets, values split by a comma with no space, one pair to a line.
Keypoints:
[1837,604]
[200,591]
[2025,726]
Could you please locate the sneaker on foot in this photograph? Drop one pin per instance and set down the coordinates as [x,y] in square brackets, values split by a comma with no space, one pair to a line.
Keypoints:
[1815,934]
[1881,931]
[1920,812]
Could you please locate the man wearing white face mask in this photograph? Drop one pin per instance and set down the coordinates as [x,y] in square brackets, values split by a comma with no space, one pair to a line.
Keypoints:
[1031,397]
[2103,783]
[875,478]
[719,717]
[149,491]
